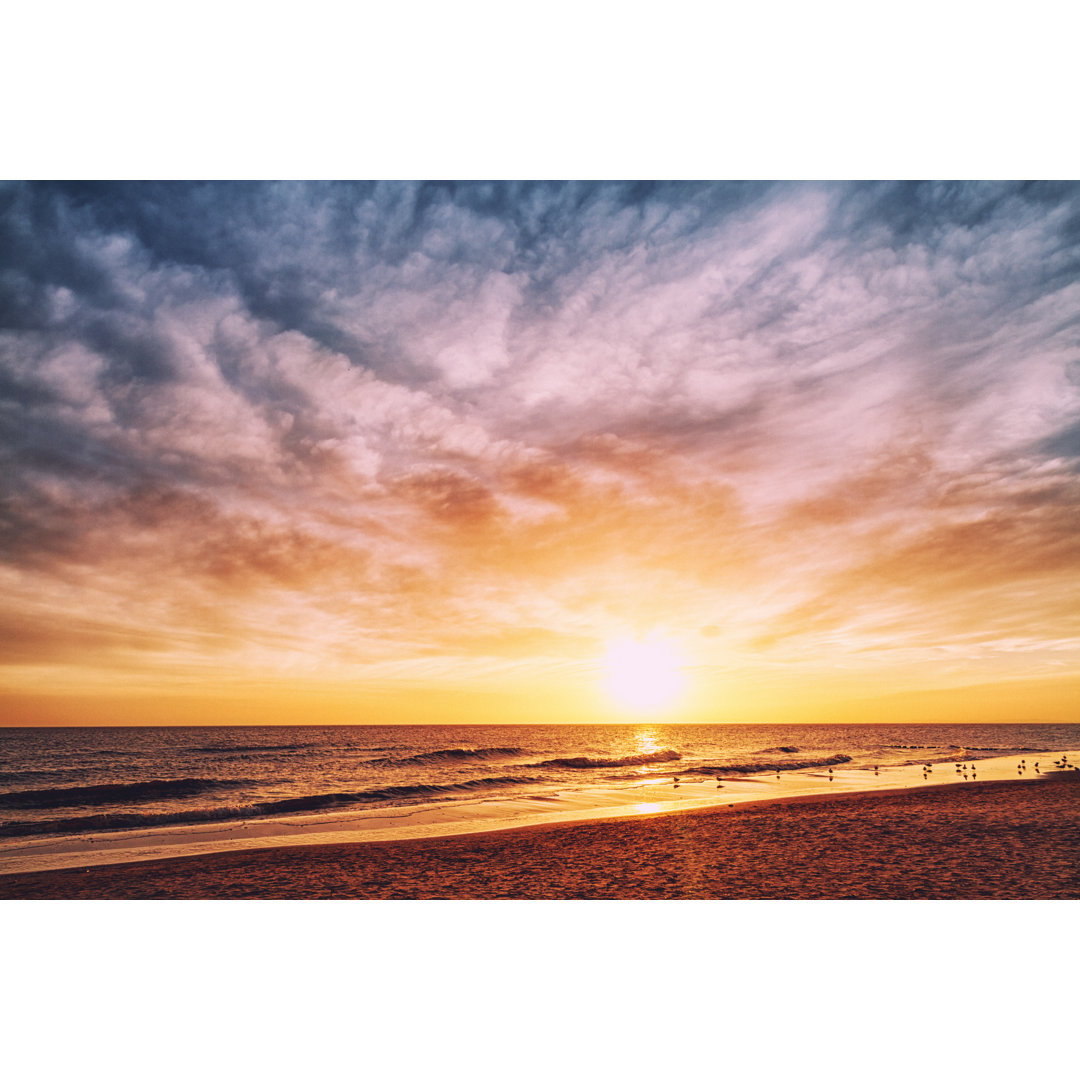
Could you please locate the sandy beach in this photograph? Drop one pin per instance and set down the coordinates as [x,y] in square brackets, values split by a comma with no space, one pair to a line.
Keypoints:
[984,840]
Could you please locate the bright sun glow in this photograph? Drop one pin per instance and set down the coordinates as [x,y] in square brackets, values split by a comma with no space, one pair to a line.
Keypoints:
[643,675]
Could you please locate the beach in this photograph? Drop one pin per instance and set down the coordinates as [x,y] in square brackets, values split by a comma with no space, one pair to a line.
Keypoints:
[998,840]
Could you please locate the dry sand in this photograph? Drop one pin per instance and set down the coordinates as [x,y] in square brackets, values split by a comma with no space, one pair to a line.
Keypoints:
[985,840]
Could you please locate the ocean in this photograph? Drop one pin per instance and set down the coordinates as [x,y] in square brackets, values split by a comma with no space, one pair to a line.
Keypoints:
[72,782]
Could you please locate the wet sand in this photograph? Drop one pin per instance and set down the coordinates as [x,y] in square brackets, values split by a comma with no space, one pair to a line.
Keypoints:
[986,840]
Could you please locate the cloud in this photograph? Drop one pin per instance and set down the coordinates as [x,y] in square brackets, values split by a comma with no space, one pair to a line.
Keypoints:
[334,420]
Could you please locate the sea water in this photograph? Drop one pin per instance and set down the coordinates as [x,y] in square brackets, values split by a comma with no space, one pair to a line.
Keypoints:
[70,782]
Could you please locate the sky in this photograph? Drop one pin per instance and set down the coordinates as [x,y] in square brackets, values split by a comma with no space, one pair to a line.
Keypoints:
[396,452]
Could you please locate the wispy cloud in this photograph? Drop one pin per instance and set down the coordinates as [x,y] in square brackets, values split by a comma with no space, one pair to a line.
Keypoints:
[334,426]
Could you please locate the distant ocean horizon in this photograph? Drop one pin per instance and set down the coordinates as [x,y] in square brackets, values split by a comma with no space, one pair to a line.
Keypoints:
[73,781]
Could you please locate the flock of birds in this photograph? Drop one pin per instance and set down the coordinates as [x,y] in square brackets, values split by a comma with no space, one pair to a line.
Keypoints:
[961,770]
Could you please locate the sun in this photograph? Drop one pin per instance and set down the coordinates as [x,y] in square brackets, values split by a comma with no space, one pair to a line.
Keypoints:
[643,675]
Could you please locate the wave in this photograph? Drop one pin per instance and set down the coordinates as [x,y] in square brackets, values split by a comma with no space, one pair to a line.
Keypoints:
[778,750]
[978,749]
[612,763]
[435,757]
[99,794]
[38,775]
[240,748]
[1006,749]
[746,767]
[329,800]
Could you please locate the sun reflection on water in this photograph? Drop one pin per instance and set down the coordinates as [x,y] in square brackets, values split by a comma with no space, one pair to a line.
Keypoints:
[647,741]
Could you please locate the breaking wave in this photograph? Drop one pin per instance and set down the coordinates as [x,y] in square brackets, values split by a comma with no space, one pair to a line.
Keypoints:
[746,767]
[977,749]
[434,757]
[113,822]
[100,794]
[1005,749]
[612,763]
[778,750]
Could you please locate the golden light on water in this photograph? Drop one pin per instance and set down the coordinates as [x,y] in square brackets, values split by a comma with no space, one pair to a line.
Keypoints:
[647,741]
[643,675]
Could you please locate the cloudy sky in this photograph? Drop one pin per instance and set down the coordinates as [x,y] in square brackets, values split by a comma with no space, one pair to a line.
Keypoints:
[422,451]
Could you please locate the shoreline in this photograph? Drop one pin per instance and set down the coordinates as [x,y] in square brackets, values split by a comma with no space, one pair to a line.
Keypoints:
[992,839]
[42,854]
